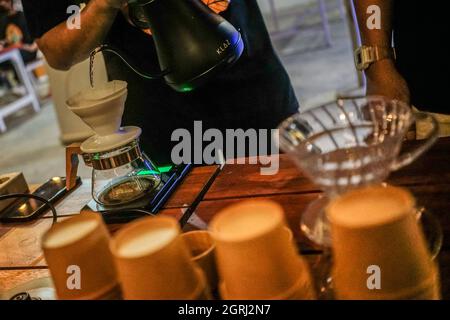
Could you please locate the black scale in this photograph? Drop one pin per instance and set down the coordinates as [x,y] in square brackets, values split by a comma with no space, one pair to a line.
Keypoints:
[150,204]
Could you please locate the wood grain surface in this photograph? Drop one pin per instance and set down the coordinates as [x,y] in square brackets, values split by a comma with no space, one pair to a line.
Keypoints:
[428,179]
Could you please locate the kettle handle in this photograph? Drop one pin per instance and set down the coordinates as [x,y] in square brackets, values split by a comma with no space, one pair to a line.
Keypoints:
[137,16]
[122,56]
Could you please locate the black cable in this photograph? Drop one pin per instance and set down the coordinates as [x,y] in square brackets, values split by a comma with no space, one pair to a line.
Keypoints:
[32,196]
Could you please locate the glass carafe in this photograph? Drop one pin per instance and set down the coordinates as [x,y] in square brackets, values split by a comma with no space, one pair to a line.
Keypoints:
[122,175]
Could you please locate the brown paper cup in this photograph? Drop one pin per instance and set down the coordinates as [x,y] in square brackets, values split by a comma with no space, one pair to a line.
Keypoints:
[428,290]
[202,248]
[289,234]
[114,294]
[376,226]
[202,291]
[301,290]
[81,242]
[255,255]
[154,263]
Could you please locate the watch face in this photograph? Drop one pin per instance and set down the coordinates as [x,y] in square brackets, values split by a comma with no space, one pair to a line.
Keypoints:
[364,57]
[359,61]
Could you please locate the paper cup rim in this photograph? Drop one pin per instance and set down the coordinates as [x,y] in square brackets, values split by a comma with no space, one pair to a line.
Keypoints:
[206,252]
[95,295]
[238,207]
[405,293]
[401,295]
[302,280]
[289,233]
[129,228]
[59,225]
[202,284]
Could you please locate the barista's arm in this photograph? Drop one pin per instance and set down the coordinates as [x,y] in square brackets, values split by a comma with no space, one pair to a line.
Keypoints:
[382,76]
[63,47]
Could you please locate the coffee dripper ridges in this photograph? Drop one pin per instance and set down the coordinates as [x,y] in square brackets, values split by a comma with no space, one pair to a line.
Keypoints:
[349,144]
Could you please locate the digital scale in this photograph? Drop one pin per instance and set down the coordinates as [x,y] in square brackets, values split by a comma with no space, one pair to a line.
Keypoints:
[171,177]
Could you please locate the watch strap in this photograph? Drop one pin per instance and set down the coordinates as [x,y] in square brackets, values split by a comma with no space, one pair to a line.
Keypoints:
[367,55]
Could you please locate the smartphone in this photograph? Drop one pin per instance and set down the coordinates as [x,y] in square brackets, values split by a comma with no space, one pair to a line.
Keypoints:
[28,209]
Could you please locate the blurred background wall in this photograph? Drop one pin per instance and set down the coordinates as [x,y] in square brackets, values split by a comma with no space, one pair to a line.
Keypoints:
[313,40]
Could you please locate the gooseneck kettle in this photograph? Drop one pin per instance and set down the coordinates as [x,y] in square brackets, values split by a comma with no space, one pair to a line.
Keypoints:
[193,43]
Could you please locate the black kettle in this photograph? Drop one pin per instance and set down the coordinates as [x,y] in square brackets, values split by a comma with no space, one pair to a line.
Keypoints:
[193,43]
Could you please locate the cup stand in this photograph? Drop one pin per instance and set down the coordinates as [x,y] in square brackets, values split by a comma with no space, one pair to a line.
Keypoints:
[314,222]
[315,226]
[432,230]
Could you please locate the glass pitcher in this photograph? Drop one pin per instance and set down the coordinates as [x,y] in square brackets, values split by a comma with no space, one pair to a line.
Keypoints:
[122,176]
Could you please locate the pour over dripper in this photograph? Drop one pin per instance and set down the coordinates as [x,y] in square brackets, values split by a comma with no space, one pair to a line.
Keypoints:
[121,172]
[349,144]
[102,107]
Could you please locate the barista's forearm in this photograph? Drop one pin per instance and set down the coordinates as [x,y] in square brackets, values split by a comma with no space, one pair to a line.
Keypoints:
[380,37]
[63,47]
[376,37]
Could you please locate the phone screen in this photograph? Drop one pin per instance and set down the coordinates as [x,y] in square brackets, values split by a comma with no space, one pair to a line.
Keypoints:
[25,209]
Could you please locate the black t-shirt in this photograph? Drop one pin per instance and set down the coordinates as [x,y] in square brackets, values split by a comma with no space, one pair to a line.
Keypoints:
[254,93]
[421,35]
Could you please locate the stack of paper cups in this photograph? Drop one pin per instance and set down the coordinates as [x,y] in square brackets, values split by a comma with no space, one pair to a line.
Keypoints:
[79,259]
[256,257]
[379,248]
[154,263]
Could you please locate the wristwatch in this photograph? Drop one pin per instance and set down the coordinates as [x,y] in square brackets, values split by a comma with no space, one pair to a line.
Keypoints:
[365,56]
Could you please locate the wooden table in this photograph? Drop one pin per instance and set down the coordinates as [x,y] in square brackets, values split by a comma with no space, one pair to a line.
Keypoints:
[428,178]
[21,258]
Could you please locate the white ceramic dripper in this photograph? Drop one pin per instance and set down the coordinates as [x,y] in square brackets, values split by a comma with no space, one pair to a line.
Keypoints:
[101,108]
[122,173]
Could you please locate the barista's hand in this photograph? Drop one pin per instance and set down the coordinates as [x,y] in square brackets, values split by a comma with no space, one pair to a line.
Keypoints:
[384,79]
[116,4]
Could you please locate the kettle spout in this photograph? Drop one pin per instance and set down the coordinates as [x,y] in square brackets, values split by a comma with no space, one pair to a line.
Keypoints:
[127,62]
